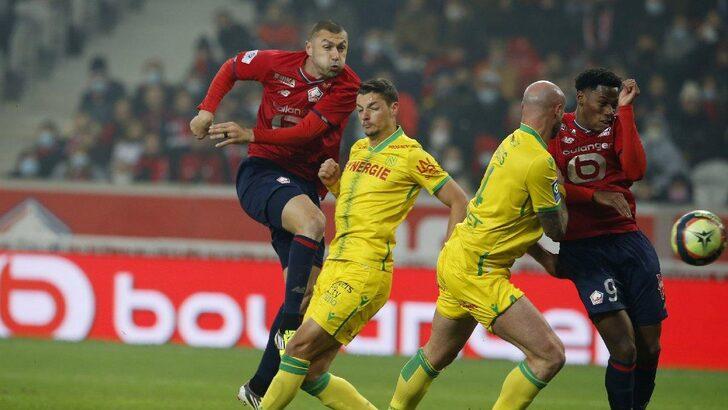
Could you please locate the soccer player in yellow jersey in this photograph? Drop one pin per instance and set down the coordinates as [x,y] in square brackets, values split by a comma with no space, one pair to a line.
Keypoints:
[518,200]
[375,192]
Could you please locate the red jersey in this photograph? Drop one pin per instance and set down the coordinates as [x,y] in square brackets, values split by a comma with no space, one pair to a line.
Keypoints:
[589,161]
[289,94]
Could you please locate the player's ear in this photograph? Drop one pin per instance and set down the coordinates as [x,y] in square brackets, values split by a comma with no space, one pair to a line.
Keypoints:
[394,107]
[580,97]
[309,48]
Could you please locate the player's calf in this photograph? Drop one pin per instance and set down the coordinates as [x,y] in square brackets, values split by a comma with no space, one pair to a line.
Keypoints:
[548,359]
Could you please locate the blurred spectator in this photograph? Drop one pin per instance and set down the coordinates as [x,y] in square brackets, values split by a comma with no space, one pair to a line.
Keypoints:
[666,162]
[152,76]
[279,30]
[152,166]
[179,138]
[460,68]
[101,91]
[204,67]
[127,153]
[232,36]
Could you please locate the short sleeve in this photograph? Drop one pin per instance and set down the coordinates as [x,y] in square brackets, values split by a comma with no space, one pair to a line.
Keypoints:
[336,106]
[542,184]
[426,171]
[252,65]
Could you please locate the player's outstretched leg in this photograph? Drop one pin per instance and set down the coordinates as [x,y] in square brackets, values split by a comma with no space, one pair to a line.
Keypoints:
[647,341]
[305,221]
[304,365]
[447,338]
[523,326]
[618,333]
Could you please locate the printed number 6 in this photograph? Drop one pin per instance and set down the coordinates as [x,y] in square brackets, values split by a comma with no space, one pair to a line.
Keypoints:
[611,289]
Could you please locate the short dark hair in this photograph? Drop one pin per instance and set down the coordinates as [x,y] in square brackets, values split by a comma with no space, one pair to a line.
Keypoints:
[594,77]
[328,25]
[381,86]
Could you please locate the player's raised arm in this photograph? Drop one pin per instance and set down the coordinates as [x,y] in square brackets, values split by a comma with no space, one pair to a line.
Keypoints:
[627,140]
[251,65]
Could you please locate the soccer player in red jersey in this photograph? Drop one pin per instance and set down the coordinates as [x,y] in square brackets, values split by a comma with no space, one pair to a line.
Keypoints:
[307,98]
[611,262]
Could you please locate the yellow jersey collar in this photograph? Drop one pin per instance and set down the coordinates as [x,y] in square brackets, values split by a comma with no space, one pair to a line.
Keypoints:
[525,128]
[382,145]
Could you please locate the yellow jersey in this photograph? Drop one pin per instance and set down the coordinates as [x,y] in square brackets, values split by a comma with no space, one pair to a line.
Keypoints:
[501,222]
[377,189]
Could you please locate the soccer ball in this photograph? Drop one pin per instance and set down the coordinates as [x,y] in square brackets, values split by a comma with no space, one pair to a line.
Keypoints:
[698,237]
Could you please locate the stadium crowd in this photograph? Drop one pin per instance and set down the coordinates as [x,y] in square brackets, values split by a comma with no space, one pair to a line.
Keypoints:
[460,67]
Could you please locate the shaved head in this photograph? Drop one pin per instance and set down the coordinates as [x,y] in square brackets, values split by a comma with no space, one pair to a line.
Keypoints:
[543,95]
[542,107]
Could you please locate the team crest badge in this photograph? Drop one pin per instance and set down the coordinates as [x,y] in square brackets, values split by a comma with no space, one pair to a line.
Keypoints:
[596,297]
[315,94]
[568,140]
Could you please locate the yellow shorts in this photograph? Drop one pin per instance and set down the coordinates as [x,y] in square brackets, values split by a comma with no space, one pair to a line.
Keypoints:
[346,296]
[463,294]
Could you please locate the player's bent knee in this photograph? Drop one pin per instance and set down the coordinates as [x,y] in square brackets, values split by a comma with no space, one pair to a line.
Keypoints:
[649,355]
[625,351]
[312,226]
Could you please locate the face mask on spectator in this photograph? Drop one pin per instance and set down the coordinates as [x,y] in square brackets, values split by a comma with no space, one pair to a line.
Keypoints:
[373,45]
[46,139]
[154,77]
[454,12]
[488,95]
[655,7]
[79,160]
[439,138]
[98,85]
[194,86]
[28,167]
[453,165]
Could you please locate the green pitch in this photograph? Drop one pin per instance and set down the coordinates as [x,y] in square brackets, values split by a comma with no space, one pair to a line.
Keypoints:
[96,375]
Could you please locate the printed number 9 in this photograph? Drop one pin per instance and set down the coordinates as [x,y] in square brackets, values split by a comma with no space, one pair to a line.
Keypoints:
[611,289]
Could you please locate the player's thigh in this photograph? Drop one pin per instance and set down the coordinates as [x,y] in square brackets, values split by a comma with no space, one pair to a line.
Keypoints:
[447,338]
[644,289]
[301,215]
[617,331]
[585,264]
[346,296]
[263,189]
[523,326]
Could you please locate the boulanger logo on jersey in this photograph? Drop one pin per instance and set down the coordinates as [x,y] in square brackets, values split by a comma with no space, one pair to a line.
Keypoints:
[44,295]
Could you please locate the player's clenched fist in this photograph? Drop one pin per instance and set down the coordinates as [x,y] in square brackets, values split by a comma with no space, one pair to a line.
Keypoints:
[201,123]
[630,90]
[329,172]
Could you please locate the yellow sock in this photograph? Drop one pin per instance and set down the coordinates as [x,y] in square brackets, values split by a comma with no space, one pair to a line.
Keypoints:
[414,380]
[519,389]
[336,393]
[285,385]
